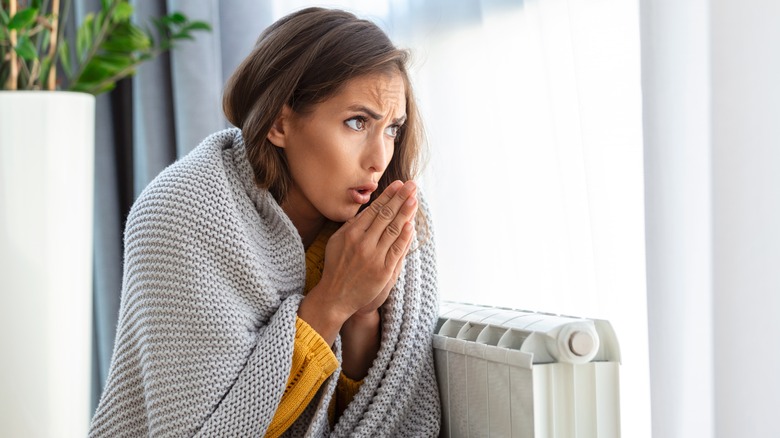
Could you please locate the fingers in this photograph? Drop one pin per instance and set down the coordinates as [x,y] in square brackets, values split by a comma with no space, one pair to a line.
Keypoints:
[366,217]
[393,230]
[399,247]
[381,234]
[400,262]
[385,213]
[396,271]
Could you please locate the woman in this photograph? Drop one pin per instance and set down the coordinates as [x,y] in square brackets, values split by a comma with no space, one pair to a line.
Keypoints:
[280,279]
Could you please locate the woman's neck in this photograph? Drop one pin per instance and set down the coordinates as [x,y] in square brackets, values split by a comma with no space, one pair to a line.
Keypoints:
[308,224]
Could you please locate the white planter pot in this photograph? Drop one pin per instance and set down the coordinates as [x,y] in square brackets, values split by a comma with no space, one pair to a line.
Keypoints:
[46,197]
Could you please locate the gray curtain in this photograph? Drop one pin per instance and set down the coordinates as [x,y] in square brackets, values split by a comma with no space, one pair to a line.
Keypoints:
[149,121]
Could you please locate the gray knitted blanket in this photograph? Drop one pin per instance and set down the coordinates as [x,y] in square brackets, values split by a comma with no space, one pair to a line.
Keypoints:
[214,272]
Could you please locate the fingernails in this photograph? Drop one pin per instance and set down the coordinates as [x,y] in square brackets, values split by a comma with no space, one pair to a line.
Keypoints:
[394,186]
[409,188]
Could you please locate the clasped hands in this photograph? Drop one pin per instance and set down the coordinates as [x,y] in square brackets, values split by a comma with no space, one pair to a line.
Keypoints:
[362,262]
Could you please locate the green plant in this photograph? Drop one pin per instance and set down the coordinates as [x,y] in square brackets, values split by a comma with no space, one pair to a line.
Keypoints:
[107,46]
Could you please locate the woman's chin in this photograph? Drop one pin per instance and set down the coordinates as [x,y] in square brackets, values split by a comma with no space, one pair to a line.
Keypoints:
[343,215]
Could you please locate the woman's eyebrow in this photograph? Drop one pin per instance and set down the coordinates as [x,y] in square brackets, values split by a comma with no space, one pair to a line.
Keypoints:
[375,115]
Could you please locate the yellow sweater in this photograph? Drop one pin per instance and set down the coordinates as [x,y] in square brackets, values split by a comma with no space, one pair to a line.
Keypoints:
[313,360]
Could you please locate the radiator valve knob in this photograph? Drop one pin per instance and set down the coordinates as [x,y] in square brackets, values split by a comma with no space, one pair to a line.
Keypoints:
[581,343]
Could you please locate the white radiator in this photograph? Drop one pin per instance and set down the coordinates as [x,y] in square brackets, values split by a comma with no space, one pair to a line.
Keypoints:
[511,373]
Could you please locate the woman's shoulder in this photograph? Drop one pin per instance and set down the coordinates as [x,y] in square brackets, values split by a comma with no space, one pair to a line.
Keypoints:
[202,165]
[198,192]
[196,178]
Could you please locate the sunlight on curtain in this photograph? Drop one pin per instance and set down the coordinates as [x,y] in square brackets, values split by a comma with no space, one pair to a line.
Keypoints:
[533,114]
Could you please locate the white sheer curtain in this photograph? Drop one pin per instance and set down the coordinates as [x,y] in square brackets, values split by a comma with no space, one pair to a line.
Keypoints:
[711,104]
[537,172]
[536,178]
[533,112]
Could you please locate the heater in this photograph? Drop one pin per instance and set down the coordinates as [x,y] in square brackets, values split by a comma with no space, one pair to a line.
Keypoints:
[513,373]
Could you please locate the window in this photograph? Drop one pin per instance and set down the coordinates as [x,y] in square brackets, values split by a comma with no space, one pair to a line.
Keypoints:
[533,112]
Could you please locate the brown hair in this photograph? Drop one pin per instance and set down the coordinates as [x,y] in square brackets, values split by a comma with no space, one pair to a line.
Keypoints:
[301,60]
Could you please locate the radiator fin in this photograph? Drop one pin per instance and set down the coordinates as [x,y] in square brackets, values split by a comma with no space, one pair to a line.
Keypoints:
[511,373]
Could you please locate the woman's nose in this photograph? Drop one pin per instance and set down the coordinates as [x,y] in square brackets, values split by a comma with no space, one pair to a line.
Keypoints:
[379,152]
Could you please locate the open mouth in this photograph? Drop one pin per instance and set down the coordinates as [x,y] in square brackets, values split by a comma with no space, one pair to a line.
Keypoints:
[361,195]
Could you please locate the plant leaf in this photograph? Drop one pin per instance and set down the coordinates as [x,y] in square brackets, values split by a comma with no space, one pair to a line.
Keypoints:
[110,46]
[94,88]
[197,25]
[105,88]
[45,66]
[111,64]
[139,38]
[123,11]
[23,19]
[126,38]
[101,16]
[182,36]
[26,49]
[64,53]
[45,40]
[84,37]
[97,24]
[107,67]
[178,18]
[4,18]
[96,71]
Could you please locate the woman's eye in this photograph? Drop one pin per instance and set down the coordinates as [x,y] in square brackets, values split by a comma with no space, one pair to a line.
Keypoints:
[392,131]
[356,123]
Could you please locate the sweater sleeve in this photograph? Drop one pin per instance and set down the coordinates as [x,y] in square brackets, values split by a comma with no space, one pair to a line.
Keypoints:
[312,363]
[345,392]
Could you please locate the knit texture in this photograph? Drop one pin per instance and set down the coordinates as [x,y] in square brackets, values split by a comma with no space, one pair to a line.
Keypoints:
[214,274]
[312,363]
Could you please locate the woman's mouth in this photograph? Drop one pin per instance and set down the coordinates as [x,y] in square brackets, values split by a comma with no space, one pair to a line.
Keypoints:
[362,194]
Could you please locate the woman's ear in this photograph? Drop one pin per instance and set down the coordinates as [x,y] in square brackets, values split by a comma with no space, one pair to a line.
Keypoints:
[279,129]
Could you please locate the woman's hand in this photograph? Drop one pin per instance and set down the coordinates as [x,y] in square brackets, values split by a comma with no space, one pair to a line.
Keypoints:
[364,257]
[380,299]
[362,261]
[360,334]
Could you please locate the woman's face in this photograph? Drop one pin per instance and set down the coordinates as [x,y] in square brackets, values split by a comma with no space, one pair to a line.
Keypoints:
[338,151]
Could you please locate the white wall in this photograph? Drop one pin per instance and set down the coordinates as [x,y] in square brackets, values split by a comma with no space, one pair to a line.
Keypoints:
[712,149]
[745,116]
[675,73]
